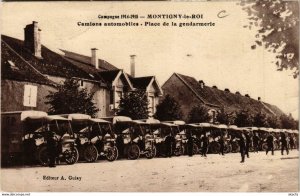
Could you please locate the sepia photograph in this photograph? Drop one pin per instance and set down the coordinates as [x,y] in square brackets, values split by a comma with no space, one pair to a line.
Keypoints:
[136,96]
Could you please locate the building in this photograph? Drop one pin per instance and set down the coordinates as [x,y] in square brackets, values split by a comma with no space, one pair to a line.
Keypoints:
[107,82]
[189,92]
[152,89]
[118,82]
[22,86]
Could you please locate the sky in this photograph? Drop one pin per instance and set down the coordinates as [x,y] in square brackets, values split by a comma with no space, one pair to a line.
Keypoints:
[220,55]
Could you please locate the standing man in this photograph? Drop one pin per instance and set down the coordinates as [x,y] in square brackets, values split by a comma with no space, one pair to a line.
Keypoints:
[205,143]
[292,142]
[242,144]
[51,148]
[190,142]
[168,143]
[222,143]
[248,141]
[270,143]
[255,142]
[283,143]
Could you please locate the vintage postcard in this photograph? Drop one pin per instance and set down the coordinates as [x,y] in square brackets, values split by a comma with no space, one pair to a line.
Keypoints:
[150,96]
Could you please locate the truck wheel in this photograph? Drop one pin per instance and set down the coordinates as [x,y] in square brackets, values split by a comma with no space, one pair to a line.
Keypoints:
[264,146]
[178,151]
[43,156]
[112,154]
[133,152]
[235,148]
[276,146]
[215,148]
[195,149]
[72,156]
[150,152]
[90,153]
[226,148]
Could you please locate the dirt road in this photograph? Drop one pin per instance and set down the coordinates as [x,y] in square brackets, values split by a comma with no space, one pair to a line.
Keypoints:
[215,173]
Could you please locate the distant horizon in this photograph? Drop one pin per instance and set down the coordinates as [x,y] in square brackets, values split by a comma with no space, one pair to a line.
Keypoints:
[220,58]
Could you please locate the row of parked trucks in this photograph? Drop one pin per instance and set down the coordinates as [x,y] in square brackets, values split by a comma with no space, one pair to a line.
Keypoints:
[24,137]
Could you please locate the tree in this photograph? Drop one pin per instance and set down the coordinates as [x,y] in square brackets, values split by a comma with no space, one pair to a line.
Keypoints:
[224,117]
[274,122]
[277,24]
[134,105]
[71,99]
[168,109]
[199,114]
[260,120]
[288,122]
[243,119]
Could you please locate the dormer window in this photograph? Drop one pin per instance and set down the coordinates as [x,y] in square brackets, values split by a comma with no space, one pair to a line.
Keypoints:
[201,84]
[12,65]
[81,84]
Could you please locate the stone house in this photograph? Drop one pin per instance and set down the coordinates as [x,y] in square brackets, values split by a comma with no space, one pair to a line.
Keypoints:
[107,82]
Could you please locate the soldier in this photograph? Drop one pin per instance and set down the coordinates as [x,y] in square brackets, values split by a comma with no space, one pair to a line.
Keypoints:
[168,143]
[283,143]
[248,141]
[222,143]
[270,144]
[51,148]
[242,144]
[189,143]
[296,141]
[205,143]
[292,142]
[255,142]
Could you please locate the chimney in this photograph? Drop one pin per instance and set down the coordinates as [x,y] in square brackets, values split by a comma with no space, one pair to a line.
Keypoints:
[201,83]
[227,90]
[32,39]
[132,65]
[215,87]
[94,59]
[258,98]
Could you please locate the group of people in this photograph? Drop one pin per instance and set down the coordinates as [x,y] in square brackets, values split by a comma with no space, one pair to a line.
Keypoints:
[283,141]
[170,145]
[245,140]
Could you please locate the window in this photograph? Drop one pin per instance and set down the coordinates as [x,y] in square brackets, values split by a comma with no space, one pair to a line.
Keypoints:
[81,83]
[214,115]
[151,104]
[30,96]
[111,97]
[118,96]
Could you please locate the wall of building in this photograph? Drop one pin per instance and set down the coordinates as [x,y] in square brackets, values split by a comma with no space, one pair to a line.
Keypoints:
[12,96]
[99,97]
[100,94]
[152,93]
[181,93]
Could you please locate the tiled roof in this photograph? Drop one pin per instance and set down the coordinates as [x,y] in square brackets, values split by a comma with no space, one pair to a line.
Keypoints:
[109,76]
[141,82]
[204,94]
[85,61]
[230,101]
[52,64]
[14,67]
